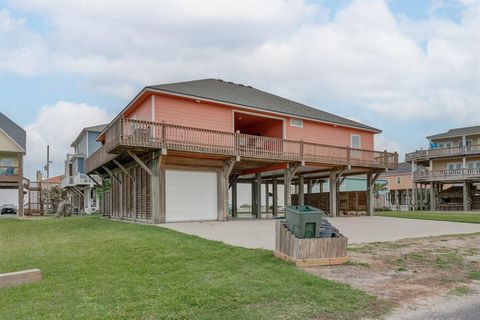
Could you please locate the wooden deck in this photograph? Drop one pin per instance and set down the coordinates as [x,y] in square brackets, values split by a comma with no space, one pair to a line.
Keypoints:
[127,134]
[422,155]
[446,175]
[9,173]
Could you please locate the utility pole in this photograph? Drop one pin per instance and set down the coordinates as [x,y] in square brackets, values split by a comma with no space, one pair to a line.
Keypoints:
[47,168]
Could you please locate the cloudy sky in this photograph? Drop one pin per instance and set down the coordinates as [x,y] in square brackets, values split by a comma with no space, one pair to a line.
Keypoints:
[408,67]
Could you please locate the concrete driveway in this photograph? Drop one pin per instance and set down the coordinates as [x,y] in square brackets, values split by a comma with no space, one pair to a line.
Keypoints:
[260,234]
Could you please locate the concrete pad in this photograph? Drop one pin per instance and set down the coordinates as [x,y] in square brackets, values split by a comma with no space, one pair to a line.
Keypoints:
[260,234]
[20,277]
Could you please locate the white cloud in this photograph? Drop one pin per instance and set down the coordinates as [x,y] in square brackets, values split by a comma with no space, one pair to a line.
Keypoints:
[382,143]
[381,65]
[22,51]
[58,125]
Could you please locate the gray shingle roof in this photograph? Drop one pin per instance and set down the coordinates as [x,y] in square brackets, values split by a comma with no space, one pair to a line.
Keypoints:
[14,131]
[403,168]
[457,132]
[229,92]
[98,128]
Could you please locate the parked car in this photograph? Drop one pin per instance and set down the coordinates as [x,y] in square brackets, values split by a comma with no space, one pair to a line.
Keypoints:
[9,208]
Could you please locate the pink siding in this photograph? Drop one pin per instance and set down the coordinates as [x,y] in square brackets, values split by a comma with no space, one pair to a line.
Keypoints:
[274,129]
[144,111]
[190,113]
[186,112]
[318,132]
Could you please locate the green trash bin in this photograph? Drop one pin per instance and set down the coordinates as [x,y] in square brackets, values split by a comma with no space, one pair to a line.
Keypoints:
[304,221]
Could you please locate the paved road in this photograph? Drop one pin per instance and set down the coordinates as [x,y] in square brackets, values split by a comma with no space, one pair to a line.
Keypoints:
[458,308]
[470,312]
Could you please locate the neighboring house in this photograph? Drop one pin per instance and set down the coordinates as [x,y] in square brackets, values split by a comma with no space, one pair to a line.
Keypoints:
[399,187]
[53,182]
[12,151]
[452,160]
[80,186]
[175,150]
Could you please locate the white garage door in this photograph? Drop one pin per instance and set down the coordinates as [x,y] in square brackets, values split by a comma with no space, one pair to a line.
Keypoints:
[190,195]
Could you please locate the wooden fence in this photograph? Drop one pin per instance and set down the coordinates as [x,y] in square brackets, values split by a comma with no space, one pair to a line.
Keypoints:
[349,202]
[309,252]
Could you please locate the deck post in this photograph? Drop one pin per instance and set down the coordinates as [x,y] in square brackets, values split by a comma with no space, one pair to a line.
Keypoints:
[275,196]
[466,195]
[370,191]
[370,184]
[333,193]
[414,196]
[309,190]
[258,195]
[20,186]
[252,204]
[432,196]
[288,175]
[223,186]
[267,197]
[156,191]
[425,194]
[234,199]
[301,190]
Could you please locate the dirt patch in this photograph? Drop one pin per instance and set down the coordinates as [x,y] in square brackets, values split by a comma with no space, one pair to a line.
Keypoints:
[409,271]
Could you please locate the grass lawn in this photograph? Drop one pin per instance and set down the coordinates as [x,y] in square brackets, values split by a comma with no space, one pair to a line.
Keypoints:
[99,269]
[425,215]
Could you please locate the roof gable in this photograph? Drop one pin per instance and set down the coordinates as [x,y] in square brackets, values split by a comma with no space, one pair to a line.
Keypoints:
[238,94]
[13,131]
[98,128]
[7,144]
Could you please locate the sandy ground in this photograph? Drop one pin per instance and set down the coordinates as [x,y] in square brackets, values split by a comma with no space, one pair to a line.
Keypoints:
[417,277]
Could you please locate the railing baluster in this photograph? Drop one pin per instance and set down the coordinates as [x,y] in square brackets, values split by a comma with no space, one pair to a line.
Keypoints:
[139,133]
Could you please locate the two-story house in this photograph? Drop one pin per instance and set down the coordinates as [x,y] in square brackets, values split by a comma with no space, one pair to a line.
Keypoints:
[450,169]
[12,151]
[174,152]
[399,187]
[80,186]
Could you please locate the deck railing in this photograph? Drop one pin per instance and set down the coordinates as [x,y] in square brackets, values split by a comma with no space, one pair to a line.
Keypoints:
[442,152]
[9,173]
[452,174]
[128,133]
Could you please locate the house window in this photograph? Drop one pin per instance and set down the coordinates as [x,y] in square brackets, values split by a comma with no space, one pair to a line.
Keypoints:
[398,180]
[444,145]
[454,166]
[355,141]
[473,165]
[296,122]
[468,145]
[6,162]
